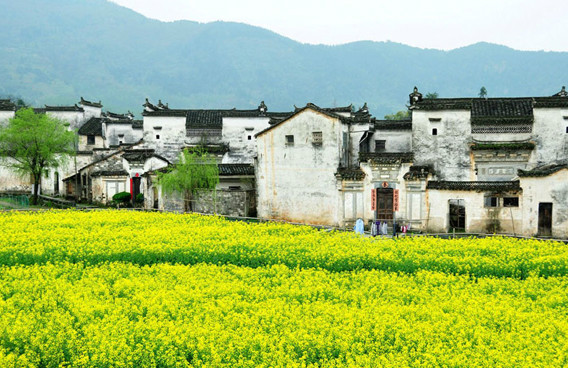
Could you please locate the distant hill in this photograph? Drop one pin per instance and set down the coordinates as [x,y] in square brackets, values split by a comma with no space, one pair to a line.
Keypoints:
[53,52]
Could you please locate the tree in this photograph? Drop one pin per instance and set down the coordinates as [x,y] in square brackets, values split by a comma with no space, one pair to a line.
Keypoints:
[432,95]
[32,143]
[18,101]
[400,115]
[483,92]
[195,171]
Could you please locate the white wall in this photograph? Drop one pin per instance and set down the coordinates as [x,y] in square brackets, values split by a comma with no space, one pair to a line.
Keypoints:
[297,183]
[6,115]
[239,133]
[479,219]
[447,152]
[550,135]
[172,135]
[74,118]
[129,135]
[548,189]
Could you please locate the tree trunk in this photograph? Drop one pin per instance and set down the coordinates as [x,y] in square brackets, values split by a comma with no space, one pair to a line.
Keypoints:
[37,183]
[187,201]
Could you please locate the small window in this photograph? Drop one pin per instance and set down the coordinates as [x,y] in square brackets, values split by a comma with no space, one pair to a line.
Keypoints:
[567,130]
[234,187]
[289,140]
[249,137]
[157,136]
[511,202]
[317,138]
[380,145]
[90,139]
[491,201]
[435,120]
[119,143]
[434,131]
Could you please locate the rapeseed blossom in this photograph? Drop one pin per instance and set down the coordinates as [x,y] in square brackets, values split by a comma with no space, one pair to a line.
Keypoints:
[133,289]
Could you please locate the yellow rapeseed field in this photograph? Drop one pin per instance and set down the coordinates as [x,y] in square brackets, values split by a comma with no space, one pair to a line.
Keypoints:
[135,289]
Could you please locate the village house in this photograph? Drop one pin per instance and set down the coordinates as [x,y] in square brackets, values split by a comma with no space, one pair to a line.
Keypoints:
[482,165]
[478,165]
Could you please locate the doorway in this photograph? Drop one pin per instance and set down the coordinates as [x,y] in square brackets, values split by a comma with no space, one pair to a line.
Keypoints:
[135,188]
[545,219]
[457,215]
[385,204]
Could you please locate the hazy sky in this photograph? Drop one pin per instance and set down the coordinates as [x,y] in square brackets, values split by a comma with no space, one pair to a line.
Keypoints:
[440,24]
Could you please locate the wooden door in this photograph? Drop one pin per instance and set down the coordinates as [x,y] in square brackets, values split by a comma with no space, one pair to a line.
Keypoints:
[457,215]
[385,204]
[545,219]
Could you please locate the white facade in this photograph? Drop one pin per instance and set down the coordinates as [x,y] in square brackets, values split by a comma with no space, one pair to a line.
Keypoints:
[239,133]
[297,162]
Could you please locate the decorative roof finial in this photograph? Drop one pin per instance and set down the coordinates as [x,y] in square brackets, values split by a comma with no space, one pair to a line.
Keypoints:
[262,107]
[415,96]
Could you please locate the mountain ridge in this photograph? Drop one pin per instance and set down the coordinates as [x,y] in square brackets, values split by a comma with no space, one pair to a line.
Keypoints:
[53,53]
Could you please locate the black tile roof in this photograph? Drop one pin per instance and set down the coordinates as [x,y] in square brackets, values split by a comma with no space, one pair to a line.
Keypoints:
[7,105]
[486,107]
[311,106]
[119,122]
[393,124]
[444,104]
[109,173]
[548,102]
[350,173]
[93,126]
[387,157]
[236,169]
[504,146]
[477,186]
[494,107]
[89,103]
[213,119]
[339,109]
[418,172]
[137,124]
[542,170]
[114,116]
[141,155]
[73,108]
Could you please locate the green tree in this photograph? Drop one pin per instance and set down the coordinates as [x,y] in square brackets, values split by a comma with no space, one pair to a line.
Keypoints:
[400,115]
[432,95]
[483,92]
[195,171]
[31,143]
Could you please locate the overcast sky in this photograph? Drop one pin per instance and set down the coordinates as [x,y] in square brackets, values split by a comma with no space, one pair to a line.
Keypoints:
[440,24]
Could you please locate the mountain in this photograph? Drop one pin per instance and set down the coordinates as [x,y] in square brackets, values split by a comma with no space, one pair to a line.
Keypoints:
[53,52]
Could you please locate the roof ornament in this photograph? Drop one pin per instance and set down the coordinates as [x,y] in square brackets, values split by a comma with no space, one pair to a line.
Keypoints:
[415,96]
[364,109]
[148,106]
[262,108]
[562,93]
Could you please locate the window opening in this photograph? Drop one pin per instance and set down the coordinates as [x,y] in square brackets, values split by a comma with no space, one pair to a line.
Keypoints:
[511,202]
[434,131]
[289,140]
[90,139]
[491,201]
[380,145]
[317,138]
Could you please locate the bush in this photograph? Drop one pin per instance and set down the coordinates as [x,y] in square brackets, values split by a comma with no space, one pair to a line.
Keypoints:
[139,198]
[122,197]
